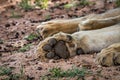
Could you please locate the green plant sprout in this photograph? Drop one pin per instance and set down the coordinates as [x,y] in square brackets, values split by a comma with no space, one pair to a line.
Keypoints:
[42,3]
[84,2]
[4,71]
[25,4]
[1,41]
[70,5]
[15,15]
[25,48]
[118,3]
[32,37]
[57,73]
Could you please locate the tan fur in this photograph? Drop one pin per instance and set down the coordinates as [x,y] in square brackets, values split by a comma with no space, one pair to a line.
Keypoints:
[109,56]
[88,41]
[90,22]
[100,38]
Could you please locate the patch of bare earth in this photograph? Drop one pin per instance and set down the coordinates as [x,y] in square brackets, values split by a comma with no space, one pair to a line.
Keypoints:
[15,29]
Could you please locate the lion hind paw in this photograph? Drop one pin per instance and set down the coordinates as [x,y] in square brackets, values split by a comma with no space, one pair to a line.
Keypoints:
[109,56]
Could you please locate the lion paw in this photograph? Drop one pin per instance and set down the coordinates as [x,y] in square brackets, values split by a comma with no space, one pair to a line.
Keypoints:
[46,29]
[109,56]
[49,28]
[60,45]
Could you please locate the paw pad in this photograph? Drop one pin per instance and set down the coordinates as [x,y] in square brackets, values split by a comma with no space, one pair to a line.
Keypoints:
[47,47]
[56,49]
[52,41]
[50,55]
[61,49]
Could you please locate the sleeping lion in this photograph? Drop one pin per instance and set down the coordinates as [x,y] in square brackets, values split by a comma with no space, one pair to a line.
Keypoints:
[98,33]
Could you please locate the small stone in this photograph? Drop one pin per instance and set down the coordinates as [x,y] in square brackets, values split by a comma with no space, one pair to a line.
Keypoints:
[7,25]
[39,68]
[30,78]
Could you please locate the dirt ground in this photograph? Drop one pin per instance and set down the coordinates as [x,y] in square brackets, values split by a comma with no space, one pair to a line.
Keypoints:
[17,23]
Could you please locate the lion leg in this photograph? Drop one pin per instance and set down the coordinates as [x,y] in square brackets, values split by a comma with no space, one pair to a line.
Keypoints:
[64,45]
[49,28]
[52,27]
[109,56]
[92,24]
[98,21]
[93,21]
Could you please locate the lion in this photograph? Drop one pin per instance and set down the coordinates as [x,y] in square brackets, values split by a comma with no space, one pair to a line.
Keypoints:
[99,33]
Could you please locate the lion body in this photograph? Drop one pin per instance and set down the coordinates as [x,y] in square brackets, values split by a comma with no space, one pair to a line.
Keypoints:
[97,32]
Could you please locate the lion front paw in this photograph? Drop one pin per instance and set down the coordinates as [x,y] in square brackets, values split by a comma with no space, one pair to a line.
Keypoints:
[109,56]
[49,28]
[58,46]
